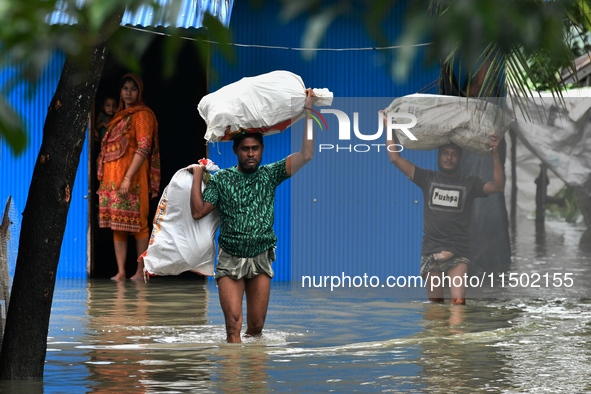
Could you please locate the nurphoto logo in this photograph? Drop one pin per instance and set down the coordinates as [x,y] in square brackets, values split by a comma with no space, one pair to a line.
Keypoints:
[344,130]
[318,118]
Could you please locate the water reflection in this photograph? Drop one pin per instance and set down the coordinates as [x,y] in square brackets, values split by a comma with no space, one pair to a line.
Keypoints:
[125,320]
[585,241]
[548,348]
[168,336]
[242,368]
[442,315]
[540,240]
[457,355]
[114,319]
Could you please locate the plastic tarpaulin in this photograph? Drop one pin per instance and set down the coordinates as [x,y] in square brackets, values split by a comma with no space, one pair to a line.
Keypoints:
[558,131]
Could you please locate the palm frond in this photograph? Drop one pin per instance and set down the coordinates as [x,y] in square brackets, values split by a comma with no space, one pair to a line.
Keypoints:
[526,45]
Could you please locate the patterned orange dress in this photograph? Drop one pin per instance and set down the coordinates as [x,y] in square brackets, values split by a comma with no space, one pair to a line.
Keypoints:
[132,130]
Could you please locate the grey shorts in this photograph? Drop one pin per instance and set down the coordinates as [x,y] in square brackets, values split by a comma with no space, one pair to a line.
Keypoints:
[244,267]
[429,264]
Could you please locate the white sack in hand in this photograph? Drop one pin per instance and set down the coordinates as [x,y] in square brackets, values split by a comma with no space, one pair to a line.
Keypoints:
[266,103]
[178,242]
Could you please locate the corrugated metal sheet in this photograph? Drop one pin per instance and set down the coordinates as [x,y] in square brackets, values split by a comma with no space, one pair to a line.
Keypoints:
[345,212]
[16,172]
[189,13]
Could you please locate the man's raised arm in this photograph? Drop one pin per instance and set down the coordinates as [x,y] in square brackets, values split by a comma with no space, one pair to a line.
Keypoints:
[498,183]
[297,160]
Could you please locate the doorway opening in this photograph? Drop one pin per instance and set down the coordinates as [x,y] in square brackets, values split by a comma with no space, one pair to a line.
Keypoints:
[180,129]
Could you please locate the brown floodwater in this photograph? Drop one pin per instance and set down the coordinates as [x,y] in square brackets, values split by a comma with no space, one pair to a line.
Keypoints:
[167,336]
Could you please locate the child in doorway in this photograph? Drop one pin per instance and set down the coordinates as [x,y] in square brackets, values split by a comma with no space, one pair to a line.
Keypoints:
[104,116]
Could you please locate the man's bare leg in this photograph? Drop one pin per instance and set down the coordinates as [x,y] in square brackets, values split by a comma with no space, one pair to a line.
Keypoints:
[140,245]
[458,293]
[257,303]
[435,293]
[231,292]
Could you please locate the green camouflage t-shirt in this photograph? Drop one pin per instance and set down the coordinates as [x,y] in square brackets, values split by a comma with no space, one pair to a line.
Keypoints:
[246,206]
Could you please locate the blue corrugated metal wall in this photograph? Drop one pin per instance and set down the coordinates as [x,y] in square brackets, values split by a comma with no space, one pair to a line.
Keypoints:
[367,217]
[16,172]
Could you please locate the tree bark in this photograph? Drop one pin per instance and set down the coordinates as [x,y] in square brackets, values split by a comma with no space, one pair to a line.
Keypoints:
[44,219]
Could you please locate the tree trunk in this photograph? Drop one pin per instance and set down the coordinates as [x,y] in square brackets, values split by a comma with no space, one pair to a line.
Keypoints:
[44,219]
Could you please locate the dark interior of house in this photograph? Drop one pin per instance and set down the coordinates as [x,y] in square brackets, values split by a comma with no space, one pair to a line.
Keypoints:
[174,101]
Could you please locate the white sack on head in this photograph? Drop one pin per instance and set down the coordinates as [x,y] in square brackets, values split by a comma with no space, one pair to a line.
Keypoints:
[267,103]
[467,122]
[178,242]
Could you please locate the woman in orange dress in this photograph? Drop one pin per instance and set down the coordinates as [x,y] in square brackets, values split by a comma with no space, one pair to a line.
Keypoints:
[129,171]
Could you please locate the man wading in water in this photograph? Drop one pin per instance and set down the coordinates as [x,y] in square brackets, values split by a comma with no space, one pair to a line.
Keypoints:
[447,211]
[244,196]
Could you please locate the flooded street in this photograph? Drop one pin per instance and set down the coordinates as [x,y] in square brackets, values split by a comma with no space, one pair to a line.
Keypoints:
[167,336]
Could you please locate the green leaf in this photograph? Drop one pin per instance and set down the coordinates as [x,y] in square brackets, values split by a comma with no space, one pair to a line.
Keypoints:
[221,35]
[293,9]
[316,29]
[11,128]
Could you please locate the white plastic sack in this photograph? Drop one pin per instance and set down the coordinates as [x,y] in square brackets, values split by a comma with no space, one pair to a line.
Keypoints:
[178,242]
[267,103]
[467,122]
